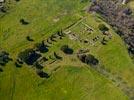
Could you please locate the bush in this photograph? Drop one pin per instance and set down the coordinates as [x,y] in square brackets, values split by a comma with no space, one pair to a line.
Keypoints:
[131,50]
[118,17]
[83,1]
[18,65]
[19,61]
[88,59]
[17,0]
[91,60]
[38,65]
[103,28]
[23,22]
[4,58]
[127,11]
[42,74]
[29,56]
[66,49]
[1,70]
[82,57]
[57,56]
[29,38]
[41,47]
[3,9]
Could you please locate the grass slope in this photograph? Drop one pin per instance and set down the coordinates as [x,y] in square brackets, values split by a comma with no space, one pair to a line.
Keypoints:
[131,4]
[72,80]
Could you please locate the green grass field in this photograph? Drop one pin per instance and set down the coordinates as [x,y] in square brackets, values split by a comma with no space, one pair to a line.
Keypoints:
[131,3]
[70,79]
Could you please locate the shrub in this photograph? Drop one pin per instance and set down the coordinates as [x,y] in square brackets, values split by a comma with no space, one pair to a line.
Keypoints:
[3,9]
[23,22]
[19,61]
[18,64]
[103,28]
[91,60]
[41,47]
[29,38]
[4,58]
[29,56]
[38,65]
[131,50]
[82,57]
[17,0]
[1,70]
[57,56]
[42,74]
[127,11]
[83,1]
[118,17]
[66,49]
[88,59]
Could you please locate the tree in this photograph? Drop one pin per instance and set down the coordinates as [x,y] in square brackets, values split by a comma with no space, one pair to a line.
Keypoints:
[29,38]
[41,47]
[4,58]
[82,57]
[57,56]
[91,60]
[1,70]
[18,65]
[88,59]
[118,17]
[23,22]
[42,74]
[66,49]
[29,56]
[38,65]
[103,28]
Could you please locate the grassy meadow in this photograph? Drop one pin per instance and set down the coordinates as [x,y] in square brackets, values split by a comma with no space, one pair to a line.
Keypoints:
[131,4]
[70,79]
